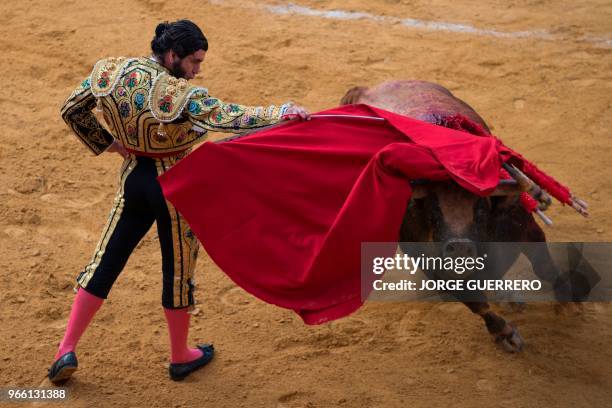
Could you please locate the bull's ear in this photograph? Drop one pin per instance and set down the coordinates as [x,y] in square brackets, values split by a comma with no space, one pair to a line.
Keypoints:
[352,96]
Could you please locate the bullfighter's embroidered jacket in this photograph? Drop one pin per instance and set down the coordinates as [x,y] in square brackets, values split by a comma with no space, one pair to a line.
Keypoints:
[150,111]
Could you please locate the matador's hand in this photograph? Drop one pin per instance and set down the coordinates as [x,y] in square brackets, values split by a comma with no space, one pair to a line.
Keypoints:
[296,111]
[117,147]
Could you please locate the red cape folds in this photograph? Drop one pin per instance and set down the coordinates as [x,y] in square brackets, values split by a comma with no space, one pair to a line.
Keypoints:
[284,211]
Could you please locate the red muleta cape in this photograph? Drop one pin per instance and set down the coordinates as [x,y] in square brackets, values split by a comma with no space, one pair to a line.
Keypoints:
[283,212]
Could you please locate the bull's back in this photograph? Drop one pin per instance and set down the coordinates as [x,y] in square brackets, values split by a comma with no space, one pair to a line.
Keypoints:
[420,100]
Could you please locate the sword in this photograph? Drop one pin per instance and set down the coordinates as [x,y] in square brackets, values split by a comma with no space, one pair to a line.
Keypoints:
[318,115]
[292,118]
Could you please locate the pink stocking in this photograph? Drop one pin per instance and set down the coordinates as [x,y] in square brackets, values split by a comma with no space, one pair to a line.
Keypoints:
[178,328]
[84,308]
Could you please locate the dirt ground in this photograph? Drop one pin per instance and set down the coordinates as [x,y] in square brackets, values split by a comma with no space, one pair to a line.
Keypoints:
[549,98]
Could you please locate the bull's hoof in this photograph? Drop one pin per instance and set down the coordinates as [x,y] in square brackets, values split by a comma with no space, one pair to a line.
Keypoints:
[511,342]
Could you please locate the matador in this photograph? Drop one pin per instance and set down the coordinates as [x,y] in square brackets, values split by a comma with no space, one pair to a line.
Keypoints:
[153,117]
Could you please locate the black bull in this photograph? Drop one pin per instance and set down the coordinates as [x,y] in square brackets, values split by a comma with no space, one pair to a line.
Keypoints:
[459,220]
[446,213]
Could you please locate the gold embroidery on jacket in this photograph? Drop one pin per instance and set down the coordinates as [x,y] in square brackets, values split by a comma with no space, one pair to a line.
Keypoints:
[169,97]
[106,74]
[172,97]
[137,97]
[77,113]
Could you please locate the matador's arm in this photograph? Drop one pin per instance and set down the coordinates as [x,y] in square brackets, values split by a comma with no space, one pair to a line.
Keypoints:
[172,97]
[215,115]
[77,113]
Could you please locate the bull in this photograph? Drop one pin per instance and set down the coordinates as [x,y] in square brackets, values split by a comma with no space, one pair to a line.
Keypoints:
[446,213]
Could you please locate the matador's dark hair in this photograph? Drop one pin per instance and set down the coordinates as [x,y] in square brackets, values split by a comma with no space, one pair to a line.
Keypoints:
[183,37]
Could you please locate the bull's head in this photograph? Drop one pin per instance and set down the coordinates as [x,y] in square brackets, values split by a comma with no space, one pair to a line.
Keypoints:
[444,212]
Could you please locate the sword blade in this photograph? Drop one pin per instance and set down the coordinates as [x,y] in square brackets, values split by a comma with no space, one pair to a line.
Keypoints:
[315,116]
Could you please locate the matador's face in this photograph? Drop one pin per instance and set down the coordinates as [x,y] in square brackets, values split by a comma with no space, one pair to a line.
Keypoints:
[187,67]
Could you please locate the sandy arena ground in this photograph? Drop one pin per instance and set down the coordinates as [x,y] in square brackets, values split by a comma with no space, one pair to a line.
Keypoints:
[550,98]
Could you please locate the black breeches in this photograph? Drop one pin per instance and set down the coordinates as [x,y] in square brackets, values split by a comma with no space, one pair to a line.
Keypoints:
[138,204]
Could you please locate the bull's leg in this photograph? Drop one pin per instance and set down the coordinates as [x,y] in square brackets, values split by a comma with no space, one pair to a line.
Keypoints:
[542,262]
[503,332]
[545,269]
[514,224]
[582,275]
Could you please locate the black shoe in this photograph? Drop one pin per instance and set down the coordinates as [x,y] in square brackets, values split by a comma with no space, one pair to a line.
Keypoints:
[179,371]
[62,368]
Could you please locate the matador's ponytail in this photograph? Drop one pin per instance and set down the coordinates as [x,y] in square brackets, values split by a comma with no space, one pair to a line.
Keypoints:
[183,37]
